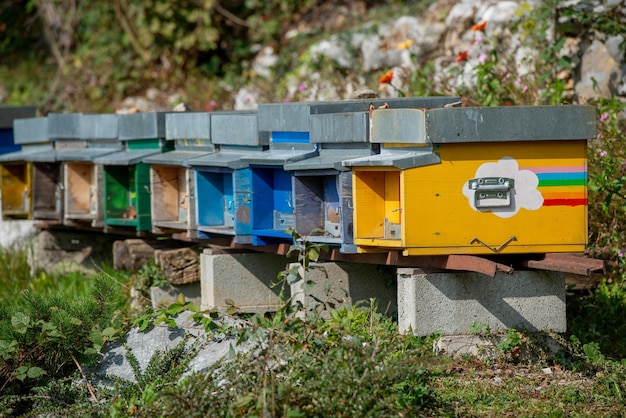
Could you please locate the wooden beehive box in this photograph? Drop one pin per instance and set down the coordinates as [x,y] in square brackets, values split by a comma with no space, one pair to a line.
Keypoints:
[222,179]
[48,189]
[126,176]
[272,205]
[31,135]
[497,180]
[82,178]
[171,178]
[7,115]
[323,185]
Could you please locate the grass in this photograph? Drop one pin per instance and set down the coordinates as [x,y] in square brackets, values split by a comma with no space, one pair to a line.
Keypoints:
[353,364]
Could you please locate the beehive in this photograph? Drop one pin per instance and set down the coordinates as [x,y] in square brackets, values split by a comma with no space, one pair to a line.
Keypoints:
[172,181]
[31,134]
[322,184]
[126,176]
[82,178]
[223,178]
[496,180]
[48,189]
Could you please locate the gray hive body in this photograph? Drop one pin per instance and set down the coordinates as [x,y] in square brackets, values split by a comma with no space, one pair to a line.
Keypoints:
[340,127]
[147,125]
[64,126]
[99,133]
[284,117]
[191,132]
[188,125]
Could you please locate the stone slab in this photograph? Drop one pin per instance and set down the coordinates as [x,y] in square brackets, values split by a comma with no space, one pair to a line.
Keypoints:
[450,303]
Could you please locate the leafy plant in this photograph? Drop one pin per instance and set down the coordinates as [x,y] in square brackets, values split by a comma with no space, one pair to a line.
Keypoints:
[48,337]
[307,252]
[165,368]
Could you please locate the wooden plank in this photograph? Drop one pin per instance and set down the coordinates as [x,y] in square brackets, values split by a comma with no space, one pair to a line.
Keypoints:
[309,211]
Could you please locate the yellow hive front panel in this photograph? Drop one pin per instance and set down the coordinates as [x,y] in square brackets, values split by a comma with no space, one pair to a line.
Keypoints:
[544,208]
[376,198]
[15,189]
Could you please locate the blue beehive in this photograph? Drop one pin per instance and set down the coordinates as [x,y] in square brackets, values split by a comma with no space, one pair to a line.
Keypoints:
[272,204]
[223,178]
[31,135]
[171,178]
[82,178]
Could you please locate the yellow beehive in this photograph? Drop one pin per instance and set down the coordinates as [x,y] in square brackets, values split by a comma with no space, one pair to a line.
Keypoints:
[475,181]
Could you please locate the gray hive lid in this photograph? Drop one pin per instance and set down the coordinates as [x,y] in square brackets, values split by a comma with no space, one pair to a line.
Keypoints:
[126,157]
[510,123]
[295,117]
[64,126]
[282,156]
[26,152]
[99,127]
[44,156]
[329,159]
[340,127]
[9,113]
[284,117]
[227,157]
[30,131]
[188,125]
[178,157]
[148,125]
[237,128]
[401,158]
[84,154]
[348,106]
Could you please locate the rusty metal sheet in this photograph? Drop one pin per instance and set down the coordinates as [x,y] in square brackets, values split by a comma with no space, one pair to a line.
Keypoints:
[476,264]
[566,263]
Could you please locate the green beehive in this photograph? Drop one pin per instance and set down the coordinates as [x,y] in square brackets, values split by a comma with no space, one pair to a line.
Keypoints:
[126,176]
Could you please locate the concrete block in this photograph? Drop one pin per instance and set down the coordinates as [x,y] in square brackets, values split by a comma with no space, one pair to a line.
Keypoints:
[334,284]
[244,278]
[162,297]
[450,303]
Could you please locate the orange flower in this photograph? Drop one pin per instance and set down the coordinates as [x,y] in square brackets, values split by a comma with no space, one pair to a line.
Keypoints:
[462,56]
[406,44]
[386,78]
[479,26]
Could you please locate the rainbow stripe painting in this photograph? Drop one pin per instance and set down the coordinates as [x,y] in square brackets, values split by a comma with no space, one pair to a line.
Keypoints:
[562,185]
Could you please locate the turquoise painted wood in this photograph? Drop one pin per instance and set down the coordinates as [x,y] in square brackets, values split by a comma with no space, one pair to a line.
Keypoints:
[223,178]
[216,201]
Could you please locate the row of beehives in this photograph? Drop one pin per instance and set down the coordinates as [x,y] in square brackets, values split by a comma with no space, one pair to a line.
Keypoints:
[408,174]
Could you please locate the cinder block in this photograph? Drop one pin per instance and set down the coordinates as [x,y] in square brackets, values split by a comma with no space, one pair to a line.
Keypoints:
[450,303]
[162,297]
[334,284]
[244,278]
